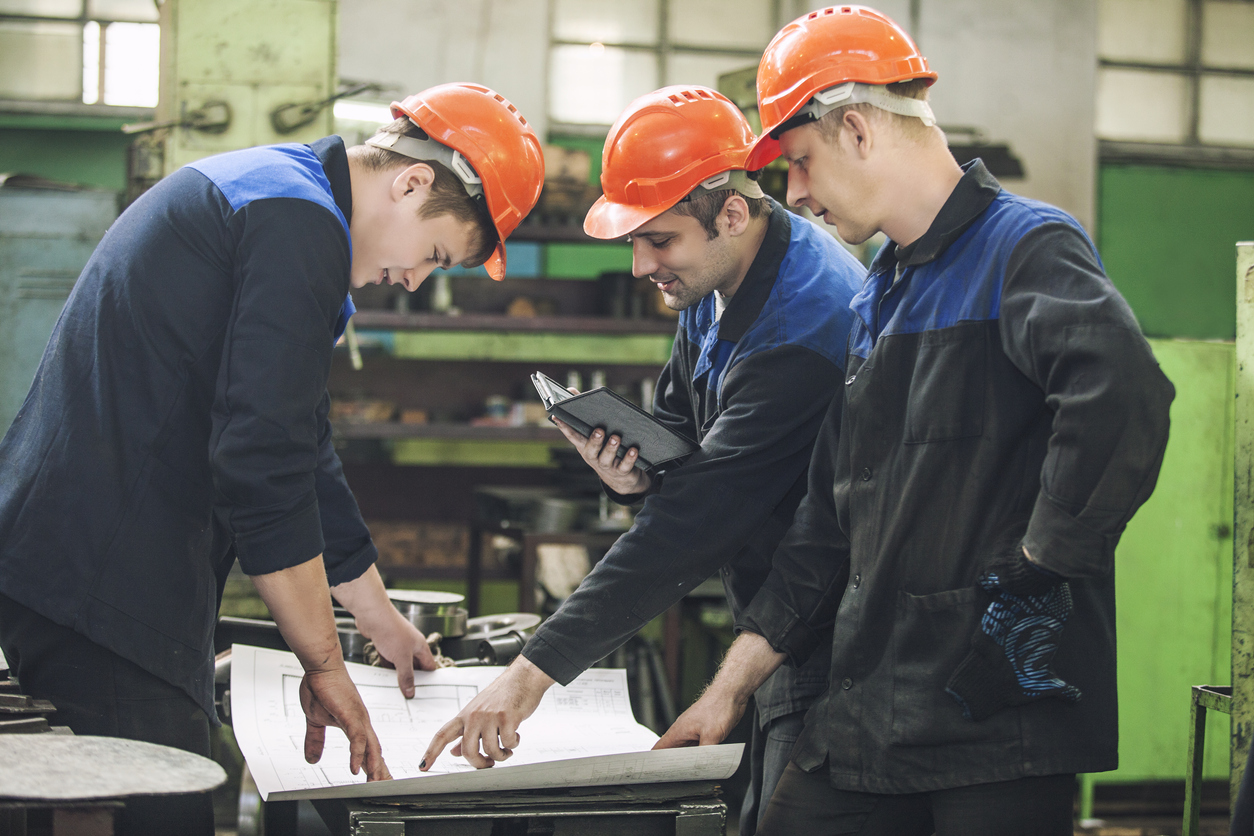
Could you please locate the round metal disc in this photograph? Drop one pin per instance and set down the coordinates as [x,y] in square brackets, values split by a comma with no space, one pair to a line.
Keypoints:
[502,623]
[69,768]
[424,596]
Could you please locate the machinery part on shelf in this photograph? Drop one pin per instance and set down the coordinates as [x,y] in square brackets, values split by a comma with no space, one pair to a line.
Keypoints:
[289,118]
[212,117]
[496,625]
[352,642]
[432,612]
[501,650]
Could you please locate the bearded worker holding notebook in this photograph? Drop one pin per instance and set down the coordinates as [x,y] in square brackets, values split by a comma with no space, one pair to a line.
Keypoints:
[757,359]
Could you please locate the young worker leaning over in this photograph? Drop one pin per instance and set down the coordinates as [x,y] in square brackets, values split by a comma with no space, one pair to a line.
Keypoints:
[178,422]
[1003,418]
[757,359]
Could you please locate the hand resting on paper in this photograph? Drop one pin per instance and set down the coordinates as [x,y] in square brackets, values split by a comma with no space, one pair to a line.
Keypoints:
[748,663]
[488,725]
[329,698]
[621,475]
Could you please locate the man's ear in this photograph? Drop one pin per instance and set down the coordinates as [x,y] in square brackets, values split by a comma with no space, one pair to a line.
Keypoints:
[857,134]
[415,180]
[736,211]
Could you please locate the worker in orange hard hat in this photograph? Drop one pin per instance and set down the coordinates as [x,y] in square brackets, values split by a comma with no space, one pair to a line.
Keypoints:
[179,420]
[764,298]
[1002,419]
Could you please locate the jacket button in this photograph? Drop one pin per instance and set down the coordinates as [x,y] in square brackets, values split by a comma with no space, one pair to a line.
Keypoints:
[857,581]
[866,474]
[851,379]
[846,683]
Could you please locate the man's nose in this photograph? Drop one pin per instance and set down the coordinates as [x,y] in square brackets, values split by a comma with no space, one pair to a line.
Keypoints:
[797,192]
[419,274]
[642,261]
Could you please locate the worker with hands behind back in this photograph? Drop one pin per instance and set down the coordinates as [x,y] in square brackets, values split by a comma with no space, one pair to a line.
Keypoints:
[1002,419]
[757,358]
[178,422]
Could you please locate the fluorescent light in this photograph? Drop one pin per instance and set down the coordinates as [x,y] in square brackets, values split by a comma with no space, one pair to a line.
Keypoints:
[363,112]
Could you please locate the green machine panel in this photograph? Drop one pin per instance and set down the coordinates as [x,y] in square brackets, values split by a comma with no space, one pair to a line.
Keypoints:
[1173,573]
[46,237]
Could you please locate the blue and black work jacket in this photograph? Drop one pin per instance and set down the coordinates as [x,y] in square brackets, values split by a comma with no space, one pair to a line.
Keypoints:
[178,419]
[997,385]
[752,388]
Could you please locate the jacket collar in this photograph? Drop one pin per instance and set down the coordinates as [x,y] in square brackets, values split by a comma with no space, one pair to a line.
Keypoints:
[334,158]
[746,304]
[974,193]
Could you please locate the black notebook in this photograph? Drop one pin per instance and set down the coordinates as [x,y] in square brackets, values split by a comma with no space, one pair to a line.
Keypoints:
[615,414]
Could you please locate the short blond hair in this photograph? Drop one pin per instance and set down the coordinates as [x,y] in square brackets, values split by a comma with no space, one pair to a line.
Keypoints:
[912,126]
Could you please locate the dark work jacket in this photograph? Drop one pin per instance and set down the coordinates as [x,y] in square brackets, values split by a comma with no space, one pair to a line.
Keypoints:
[178,419]
[752,388]
[1001,385]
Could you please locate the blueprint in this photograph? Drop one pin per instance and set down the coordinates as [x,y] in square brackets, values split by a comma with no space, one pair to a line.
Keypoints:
[582,734]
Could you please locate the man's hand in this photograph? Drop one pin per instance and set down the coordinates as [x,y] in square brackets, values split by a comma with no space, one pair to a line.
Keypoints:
[748,663]
[397,641]
[621,475]
[329,698]
[492,718]
[708,721]
[300,602]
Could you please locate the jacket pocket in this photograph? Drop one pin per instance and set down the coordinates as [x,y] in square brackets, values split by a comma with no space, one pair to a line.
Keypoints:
[931,636]
[946,398]
[158,568]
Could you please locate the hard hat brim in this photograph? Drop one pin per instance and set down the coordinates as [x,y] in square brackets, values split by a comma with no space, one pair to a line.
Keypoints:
[765,151]
[607,220]
[495,265]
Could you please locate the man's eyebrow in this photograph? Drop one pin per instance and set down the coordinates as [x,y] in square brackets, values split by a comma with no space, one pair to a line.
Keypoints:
[651,234]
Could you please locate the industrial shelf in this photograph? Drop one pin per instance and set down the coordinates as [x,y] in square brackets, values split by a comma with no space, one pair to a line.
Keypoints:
[495,337]
[456,432]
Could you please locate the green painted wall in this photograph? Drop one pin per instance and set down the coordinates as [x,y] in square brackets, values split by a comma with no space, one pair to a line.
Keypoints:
[1174,574]
[92,156]
[1166,237]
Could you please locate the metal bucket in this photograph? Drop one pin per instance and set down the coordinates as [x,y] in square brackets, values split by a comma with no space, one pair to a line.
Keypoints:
[432,612]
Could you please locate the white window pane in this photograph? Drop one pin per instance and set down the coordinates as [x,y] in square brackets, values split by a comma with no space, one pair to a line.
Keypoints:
[742,23]
[607,21]
[1226,110]
[41,60]
[591,86]
[1228,35]
[42,8]
[1146,106]
[138,10]
[1142,30]
[91,62]
[698,68]
[132,56]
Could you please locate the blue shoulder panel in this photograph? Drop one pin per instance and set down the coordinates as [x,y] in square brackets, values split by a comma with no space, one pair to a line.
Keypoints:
[963,284]
[288,170]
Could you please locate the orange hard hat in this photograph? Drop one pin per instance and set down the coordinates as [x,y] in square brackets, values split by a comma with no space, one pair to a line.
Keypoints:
[822,49]
[493,137]
[664,145]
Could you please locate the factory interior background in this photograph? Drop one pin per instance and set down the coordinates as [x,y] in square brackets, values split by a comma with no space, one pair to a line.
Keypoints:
[1135,116]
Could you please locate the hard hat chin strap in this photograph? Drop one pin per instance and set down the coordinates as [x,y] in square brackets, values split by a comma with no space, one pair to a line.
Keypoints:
[429,149]
[736,180]
[853,92]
